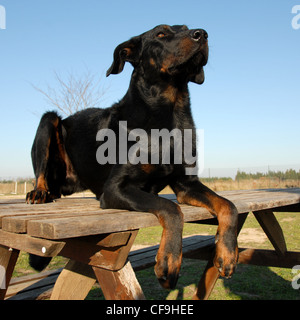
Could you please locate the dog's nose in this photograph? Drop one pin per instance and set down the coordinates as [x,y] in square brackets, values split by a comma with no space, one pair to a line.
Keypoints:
[199,34]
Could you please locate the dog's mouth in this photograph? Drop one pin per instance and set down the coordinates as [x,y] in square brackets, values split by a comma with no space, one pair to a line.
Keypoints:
[191,62]
[195,48]
[200,57]
[192,65]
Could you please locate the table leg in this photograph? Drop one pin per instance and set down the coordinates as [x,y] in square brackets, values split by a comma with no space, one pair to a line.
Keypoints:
[207,282]
[211,274]
[8,259]
[119,285]
[74,282]
[272,229]
[98,260]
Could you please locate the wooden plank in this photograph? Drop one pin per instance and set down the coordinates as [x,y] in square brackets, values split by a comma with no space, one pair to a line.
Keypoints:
[31,286]
[18,223]
[270,258]
[11,201]
[76,198]
[255,195]
[40,293]
[106,223]
[78,226]
[74,282]
[52,205]
[29,210]
[144,258]
[288,208]
[257,257]
[103,222]
[269,198]
[32,278]
[119,285]
[41,247]
[261,191]
[77,210]
[92,253]
[64,206]
[113,239]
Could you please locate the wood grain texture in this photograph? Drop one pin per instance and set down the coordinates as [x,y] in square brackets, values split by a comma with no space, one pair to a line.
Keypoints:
[69,218]
[23,242]
[74,282]
[119,285]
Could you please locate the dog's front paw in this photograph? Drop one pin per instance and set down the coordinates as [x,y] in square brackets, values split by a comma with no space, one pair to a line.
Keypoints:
[226,256]
[37,196]
[167,269]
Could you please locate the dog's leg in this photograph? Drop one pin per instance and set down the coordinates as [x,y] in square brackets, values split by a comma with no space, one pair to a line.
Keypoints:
[192,191]
[169,256]
[46,135]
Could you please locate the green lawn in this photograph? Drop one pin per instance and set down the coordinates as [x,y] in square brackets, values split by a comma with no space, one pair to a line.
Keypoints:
[248,282]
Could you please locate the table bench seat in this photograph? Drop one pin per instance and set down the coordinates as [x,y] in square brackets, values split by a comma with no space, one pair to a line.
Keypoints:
[40,286]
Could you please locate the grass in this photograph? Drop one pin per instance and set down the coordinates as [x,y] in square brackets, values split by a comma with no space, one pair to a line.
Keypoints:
[248,282]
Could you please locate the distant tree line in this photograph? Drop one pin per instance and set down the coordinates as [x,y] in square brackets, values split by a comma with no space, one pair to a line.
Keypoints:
[289,174]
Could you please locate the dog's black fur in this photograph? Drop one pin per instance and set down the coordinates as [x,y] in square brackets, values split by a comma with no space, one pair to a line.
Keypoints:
[164,59]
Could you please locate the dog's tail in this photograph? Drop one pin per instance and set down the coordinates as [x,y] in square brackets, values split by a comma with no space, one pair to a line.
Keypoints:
[38,263]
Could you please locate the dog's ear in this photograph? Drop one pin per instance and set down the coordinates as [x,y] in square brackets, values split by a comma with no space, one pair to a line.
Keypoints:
[198,77]
[126,51]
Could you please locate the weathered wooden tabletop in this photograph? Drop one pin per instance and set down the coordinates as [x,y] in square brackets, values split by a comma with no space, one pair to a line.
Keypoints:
[77,217]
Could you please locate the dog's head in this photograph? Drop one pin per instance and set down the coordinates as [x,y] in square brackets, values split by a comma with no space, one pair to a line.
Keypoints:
[165,51]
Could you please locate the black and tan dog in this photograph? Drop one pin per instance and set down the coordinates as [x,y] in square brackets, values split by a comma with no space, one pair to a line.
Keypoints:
[164,59]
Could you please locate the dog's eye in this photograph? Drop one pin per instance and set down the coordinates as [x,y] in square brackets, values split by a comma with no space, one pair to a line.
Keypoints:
[161,35]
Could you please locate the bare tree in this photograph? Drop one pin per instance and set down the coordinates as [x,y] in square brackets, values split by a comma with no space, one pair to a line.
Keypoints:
[75,93]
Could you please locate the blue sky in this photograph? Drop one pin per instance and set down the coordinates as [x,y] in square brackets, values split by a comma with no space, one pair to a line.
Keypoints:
[248,105]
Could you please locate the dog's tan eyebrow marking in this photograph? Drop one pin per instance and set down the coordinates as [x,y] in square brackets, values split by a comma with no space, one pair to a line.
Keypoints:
[152,62]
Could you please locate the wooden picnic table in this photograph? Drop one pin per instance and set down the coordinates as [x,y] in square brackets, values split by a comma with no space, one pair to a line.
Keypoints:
[98,241]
